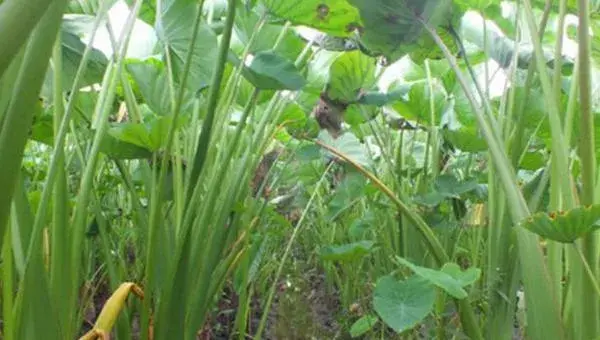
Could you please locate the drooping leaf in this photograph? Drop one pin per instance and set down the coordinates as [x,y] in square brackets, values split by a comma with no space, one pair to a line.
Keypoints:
[403,304]
[275,73]
[441,279]
[111,310]
[565,226]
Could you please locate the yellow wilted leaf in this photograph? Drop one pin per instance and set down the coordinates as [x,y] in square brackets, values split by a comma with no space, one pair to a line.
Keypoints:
[111,310]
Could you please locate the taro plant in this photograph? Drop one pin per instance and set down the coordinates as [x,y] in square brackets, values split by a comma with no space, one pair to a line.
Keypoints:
[173,168]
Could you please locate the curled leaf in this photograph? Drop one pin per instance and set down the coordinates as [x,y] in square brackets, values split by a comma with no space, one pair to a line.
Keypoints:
[565,226]
[111,310]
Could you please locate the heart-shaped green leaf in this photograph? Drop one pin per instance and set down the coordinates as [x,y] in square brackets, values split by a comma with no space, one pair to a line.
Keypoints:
[403,304]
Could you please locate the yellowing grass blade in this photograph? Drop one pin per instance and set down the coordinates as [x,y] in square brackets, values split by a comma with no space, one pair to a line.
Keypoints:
[111,310]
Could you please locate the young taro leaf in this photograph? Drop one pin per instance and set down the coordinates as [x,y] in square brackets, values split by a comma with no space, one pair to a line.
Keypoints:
[293,118]
[363,325]
[150,136]
[350,73]
[441,279]
[403,304]
[465,278]
[565,226]
[347,252]
[348,145]
[336,17]
[418,106]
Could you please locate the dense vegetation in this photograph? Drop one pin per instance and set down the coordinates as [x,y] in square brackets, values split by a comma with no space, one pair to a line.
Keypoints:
[315,169]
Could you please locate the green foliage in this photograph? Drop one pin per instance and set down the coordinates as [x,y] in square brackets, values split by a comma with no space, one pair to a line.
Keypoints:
[347,252]
[565,226]
[277,221]
[403,304]
[337,17]
[363,325]
[451,284]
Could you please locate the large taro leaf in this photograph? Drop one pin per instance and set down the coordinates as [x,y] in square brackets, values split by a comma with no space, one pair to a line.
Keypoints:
[403,304]
[335,17]
[565,226]
[175,29]
[393,27]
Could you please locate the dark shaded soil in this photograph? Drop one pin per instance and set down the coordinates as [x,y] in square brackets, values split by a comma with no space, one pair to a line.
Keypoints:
[302,309]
